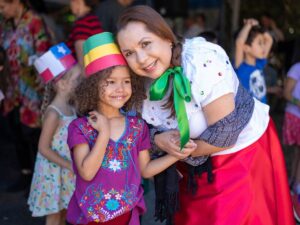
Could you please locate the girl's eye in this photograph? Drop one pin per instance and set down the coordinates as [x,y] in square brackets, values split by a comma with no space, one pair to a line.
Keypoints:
[110,82]
[127,54]
[127,81]
[145,44]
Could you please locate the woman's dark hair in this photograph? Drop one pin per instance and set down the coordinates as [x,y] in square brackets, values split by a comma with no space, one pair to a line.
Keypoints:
[87,93]
[254,31]
[156,24]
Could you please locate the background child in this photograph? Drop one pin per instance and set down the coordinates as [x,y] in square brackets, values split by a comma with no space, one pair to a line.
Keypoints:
[86,25]
[252,49]
[109,149]
[53,180]
[291,126]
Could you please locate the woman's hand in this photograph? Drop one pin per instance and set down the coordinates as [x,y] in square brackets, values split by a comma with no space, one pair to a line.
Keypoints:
[169,141]
[98,121]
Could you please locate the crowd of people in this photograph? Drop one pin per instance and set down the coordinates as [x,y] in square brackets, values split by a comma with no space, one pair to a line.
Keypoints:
[123,97]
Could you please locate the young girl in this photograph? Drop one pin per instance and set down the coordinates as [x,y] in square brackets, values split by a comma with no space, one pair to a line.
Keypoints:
[53,179]
[109,149]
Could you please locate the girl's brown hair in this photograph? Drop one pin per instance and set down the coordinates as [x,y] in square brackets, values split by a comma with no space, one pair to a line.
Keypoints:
[156,24]
[87,93]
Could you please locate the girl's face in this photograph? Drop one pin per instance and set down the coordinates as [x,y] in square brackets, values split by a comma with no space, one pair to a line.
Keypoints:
[146,53]
[9,10]
[115,90]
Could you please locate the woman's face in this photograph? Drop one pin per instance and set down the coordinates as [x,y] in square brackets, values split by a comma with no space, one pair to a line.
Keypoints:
[9,10]
[146,53]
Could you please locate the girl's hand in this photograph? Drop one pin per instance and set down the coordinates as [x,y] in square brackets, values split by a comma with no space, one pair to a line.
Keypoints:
[168,141]
[69,166]
[98,121]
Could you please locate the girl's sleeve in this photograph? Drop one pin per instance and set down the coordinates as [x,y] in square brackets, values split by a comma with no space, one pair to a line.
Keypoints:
[75,135]
[144,141]
[209,70]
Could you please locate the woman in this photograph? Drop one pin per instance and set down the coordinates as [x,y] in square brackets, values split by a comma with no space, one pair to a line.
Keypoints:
[224,121]
[24,37]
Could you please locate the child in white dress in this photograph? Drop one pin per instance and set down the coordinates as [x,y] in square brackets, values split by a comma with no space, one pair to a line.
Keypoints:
[53,180]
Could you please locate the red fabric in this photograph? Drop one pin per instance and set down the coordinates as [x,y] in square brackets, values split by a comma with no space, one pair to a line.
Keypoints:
[250,188]
[120,220]
[291,129]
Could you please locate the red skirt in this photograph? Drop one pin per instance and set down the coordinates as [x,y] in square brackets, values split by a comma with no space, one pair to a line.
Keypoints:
[250,188]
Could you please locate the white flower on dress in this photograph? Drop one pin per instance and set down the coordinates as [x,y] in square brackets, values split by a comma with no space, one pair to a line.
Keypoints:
[107,196]
[118,196]
[95,217]
[114,165]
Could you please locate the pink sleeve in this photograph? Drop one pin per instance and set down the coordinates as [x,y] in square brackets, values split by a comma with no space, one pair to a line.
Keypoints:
[144,141]
[75,135]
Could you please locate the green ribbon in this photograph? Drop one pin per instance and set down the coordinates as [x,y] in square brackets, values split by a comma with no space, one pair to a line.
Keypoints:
[182,92]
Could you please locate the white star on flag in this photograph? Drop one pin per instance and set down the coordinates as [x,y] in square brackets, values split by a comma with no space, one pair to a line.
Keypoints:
[61,49]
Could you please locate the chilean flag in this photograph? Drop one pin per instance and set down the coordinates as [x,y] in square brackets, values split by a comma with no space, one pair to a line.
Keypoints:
[57,60]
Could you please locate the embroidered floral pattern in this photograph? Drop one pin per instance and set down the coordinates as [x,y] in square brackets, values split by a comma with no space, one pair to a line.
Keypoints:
[103,205]
[105,201]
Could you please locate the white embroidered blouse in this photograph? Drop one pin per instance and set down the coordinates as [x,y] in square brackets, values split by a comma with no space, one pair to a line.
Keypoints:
[211,75]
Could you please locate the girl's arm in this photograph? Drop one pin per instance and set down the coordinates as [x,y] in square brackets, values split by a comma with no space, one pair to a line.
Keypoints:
[289,86]
[149,168]
[88,161]
[50,124]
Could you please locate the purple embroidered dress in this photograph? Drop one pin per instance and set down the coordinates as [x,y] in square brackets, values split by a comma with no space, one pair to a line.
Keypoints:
[116,188]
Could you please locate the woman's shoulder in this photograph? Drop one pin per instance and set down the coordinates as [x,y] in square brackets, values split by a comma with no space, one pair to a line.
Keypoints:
[200,46]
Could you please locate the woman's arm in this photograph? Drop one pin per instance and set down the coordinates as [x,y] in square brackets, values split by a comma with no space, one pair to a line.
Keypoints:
[87,161]
[50,124]
[214,111]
